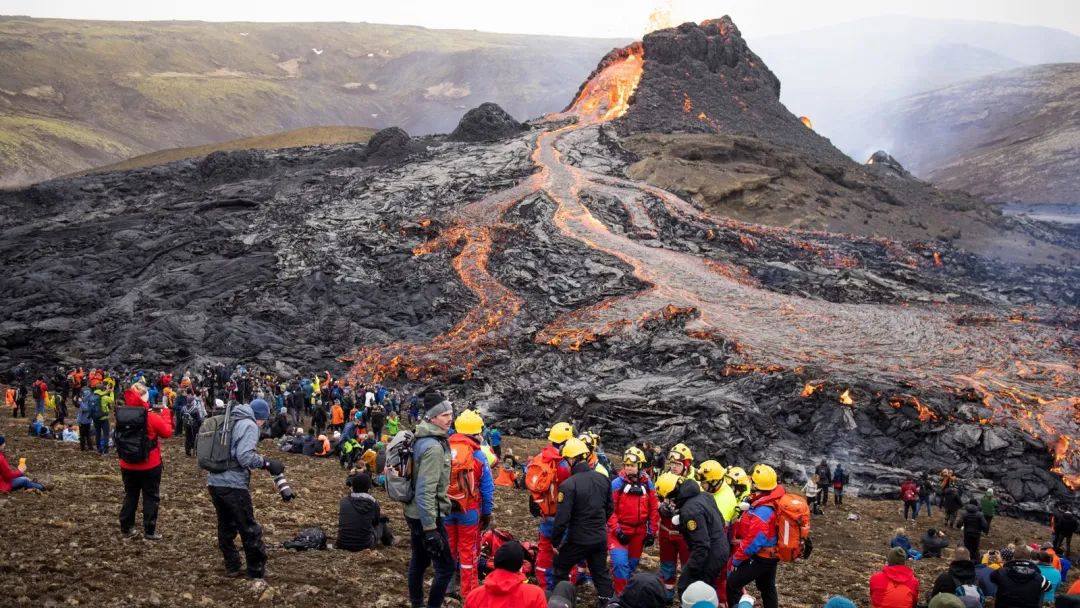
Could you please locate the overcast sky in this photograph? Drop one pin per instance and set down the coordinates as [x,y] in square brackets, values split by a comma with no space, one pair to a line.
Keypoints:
[593,18]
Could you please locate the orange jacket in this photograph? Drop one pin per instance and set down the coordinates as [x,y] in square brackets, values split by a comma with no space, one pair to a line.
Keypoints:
[507,477]
[337,415]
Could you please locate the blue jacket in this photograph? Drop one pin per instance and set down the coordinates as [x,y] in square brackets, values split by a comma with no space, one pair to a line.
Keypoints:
[244,440]
[900,541]
[84,408]
[487,483]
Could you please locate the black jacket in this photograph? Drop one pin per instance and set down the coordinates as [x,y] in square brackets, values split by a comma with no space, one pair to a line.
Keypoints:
[318,417]
[950,499]
[309,445]
[823,472]
[701,524]
[960,572]
[357,516]
[1065,525]
[1020,585]
[932,545]
[973,520]
[584,508]
[645,590]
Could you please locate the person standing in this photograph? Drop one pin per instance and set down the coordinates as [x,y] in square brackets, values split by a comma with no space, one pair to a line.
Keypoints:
[909,494]
[673,548]
[839,480]
[472,493]
[549,470]
[86,421]
[231,496]
[1064,526]
[193,415]
[141,475]
[424,513]
[755,558]
[701,524]
[634,519]
[974,525]
[100,410]
[584,507]
[951,503]
[824,481]
[988,505]
[926,492]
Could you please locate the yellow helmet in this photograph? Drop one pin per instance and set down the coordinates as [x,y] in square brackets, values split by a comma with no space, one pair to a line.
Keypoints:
[680,452]
[710,470]
[737,476]
[574,447]
[764,477]
[589,439]
[667,483]
[560,432]
[469,423]
[633,456]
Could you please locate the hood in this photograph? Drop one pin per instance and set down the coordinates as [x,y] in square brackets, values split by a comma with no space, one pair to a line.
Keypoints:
[687,490]
[970,508]
[242,412]
[1021,571]
[759,498]
[643,591]
[427,429]
[364,503]
[900,574]
[503,582]
[962,570]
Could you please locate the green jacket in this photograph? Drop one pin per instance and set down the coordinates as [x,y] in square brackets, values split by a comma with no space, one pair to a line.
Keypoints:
[989,506]
[431,474]
[393,425]
[107,401]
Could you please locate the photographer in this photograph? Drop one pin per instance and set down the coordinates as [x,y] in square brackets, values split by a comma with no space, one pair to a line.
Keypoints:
[231,497]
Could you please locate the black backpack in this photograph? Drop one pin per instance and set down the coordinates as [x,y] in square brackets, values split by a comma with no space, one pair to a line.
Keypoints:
[308,538]
[132,442]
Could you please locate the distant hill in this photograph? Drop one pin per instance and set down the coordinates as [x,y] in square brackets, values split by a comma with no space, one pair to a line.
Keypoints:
[1011,137]
[78,94]
[841,76]
[309,136]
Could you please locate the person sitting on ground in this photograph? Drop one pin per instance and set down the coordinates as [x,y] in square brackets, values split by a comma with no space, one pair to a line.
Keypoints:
[564,595]
[895,585]
[507,474]
[991,561]
[900,539]
[323,445]
[1051,574]
[1055,561]
[1020,582]
[960,575]
[360,522]
[14,479]
[839,601]
[71,434]
[506,586]
[933,542]
[645,590]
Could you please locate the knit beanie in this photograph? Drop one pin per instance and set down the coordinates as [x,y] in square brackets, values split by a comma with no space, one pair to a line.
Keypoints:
[435,405]
[510,556]
[946,600]
[361,483]
[839,601]
[261,409]
[896,556]
[700,595]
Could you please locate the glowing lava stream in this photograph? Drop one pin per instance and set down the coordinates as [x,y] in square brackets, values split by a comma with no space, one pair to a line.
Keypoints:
[901,343]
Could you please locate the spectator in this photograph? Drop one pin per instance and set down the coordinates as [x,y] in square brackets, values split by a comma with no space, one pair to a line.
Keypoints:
[895,585]
[564,595]
[824,480]
[699,594]
[1050,573]
[926,491]
[839,480]
[989,506]
[933,542]
[946,600]
[900,539]
[506,586]
[909,494]
[1020,583]
[839,601]
[974,525]
[360,522]
[990,562]
[14,479]
[959,576]
[951,503]
[1063,526]
[141,474]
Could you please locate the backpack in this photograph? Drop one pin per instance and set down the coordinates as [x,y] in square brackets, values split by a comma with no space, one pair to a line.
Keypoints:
[540,479]
[133,444]
[213,446]
[399,468]
[792,521]
[463,483]
[969,594]
[95,406]
[308,538]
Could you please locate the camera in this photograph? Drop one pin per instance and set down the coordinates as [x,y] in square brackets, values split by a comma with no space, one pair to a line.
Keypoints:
[283,487]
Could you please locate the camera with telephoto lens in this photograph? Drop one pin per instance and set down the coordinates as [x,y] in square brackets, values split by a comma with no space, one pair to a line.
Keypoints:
[283,487]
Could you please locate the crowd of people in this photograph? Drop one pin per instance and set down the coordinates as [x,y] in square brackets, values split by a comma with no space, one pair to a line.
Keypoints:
[718,528]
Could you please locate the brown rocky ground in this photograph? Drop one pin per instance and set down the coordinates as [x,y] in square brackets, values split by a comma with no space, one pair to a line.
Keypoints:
[63,547]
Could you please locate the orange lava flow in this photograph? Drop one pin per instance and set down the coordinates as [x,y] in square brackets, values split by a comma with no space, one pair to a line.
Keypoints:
[933,346]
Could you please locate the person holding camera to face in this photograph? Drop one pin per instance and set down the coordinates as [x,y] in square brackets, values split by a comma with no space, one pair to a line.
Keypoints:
[230,494]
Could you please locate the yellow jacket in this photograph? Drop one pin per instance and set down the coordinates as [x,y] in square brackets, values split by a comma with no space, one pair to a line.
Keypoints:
[726,502]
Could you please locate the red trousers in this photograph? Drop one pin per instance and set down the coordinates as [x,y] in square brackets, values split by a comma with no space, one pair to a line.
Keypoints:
[673,553]
[625,558]
[464,532]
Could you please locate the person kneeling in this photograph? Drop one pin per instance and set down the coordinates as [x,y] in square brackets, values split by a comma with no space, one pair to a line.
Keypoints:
[360,522]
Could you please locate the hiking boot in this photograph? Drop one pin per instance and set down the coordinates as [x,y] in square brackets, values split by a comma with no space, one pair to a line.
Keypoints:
[151,536]
[234,573]
[127,533]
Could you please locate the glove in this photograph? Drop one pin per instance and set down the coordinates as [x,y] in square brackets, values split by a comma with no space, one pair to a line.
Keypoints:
[650,540]
[666,510]
[622,537]
[744,506]
[276,467]
[808,547]
[433,543]
[675,519]
[534,508]
[485,521]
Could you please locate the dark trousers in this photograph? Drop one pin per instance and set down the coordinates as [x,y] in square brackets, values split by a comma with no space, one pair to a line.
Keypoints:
[972,544]
[191,431]
[86,437]
[236,515]
[911,506]
[444,564]
[761,572]
[148,484]
[824,496]
[101,429]
[20,408]
[1062,540]
[989,518]
[950,518]
[838,496]
[570,554]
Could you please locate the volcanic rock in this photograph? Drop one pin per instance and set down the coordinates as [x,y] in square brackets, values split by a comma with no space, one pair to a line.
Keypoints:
[882,160]
[486,122]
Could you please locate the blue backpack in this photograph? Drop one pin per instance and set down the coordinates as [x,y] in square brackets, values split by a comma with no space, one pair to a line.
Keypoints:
[95,406]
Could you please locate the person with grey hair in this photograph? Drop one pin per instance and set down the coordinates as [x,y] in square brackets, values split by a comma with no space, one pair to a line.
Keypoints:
[424,513]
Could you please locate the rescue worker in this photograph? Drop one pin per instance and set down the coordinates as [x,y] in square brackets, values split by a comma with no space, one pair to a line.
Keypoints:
[700,524]
[550,456]
[673,549]
[472,495]
[584,507]
[635,519]
[755,558]
[739,482]
[590,440]
[714,481]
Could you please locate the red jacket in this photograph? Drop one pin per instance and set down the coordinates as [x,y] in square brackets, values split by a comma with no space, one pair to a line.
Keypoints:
[756,528]
[158,425]
[894,587]
[7,474]
[505,589]
[634,511]
[909,491]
